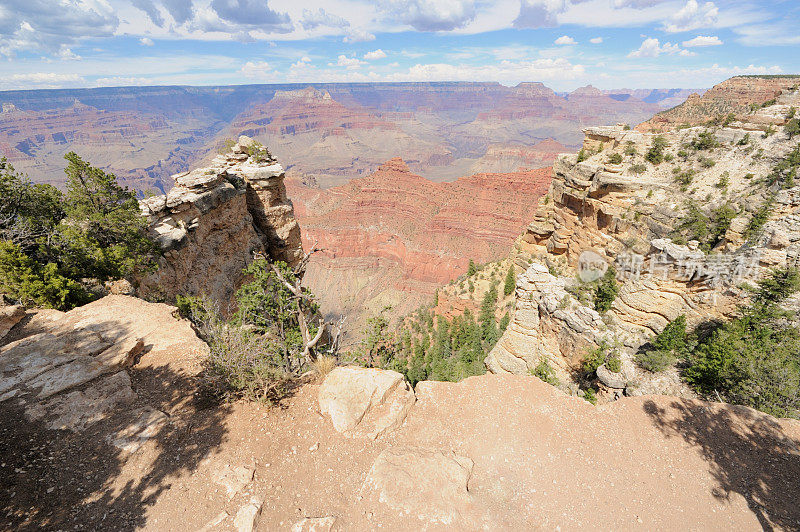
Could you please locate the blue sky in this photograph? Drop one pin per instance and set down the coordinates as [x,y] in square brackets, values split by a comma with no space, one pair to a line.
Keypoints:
[562,43]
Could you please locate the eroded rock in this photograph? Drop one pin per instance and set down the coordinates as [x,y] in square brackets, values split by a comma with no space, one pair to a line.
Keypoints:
[431,484]
[365,402]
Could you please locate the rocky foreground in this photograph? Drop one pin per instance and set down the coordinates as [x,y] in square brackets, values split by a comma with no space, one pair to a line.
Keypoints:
[120,441]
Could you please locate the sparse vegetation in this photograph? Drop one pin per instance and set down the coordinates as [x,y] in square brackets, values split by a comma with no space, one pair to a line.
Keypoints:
[615,158]
[606,291]
[637,169]
[545,372]
[753,359]
[705,140]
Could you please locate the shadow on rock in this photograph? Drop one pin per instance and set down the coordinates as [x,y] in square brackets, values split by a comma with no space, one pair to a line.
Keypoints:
[105,476]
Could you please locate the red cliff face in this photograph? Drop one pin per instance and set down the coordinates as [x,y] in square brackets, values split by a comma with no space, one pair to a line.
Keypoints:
[393,237]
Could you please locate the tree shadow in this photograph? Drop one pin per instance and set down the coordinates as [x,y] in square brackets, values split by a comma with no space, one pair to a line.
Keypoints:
[747,453]
[60,479]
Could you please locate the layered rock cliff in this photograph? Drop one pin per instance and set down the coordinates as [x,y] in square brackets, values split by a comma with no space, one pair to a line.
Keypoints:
[685,236]
[210,225]
[392,238]
[736,95]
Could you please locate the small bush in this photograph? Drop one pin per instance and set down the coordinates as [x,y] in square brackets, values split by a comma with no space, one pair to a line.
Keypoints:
[582,155]
[594,358]
[637,169]
[606,291]
[590,395]
[655,361]
[630,148]
[706,162]
[655,154]
[615,158]
[613,362]
[545,372]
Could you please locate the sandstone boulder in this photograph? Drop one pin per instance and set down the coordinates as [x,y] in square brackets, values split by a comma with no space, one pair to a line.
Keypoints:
[10,315]
[429,483]
[610,378]
[365,402]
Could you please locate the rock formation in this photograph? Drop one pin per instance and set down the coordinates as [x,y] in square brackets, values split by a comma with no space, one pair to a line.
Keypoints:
[735,95]
[332,132]
[213,221]
[390,239]
[626,215]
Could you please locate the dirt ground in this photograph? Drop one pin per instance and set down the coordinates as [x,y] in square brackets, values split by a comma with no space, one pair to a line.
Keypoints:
[542,460]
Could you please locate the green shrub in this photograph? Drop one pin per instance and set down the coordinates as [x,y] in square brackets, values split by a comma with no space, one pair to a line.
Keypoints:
[613,362]
[706,162]
[753,359]
[630,148]
[606,291]
[744,140]
[637,169]
[590,395]
[705,140]
[582,155]
[511,281]
[655,361]
[759,218]
[615,158]
[545,372]
[594,358]
[655,154]
[94,231]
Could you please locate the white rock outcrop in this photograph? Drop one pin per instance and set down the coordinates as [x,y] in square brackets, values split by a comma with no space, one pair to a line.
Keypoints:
[365,402]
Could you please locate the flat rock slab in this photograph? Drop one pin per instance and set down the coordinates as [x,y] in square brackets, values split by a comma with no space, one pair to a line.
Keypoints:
[433,485]
[314,524]
[233,478]
[247,517]
[147,424]
[365,402]
[79,409]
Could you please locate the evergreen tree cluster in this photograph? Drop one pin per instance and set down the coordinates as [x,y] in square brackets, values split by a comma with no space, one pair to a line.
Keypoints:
[50,241]
[428,347]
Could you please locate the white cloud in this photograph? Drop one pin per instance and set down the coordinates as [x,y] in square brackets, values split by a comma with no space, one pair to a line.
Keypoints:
[430,15]
[637,4]
[596,40]
[358,35]
[510,72]
[349,63]
[48,26]
[41,80]
[253,14]
[565,39]
[121,81]
[652,47]
[146,41]
[701,40]
[375,54]
[66,54]
[320,17]
[255,69]
[693,16]
[539,13]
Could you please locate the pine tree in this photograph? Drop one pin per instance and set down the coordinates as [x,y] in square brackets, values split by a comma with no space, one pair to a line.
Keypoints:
[472,269]
[511,281]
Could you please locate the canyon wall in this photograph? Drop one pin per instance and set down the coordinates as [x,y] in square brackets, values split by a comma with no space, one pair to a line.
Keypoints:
[736,95]
[632,216]
[330,132]
[213,222]
[392,238]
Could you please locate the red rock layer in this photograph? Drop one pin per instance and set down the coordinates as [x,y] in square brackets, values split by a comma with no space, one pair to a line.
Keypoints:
[395,232]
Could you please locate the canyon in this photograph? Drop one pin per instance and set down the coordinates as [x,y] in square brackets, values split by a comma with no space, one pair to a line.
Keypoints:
[118,433]
[328,132]
[392,238]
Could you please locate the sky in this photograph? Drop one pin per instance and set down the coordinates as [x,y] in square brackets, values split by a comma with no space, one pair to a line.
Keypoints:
[563,43]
